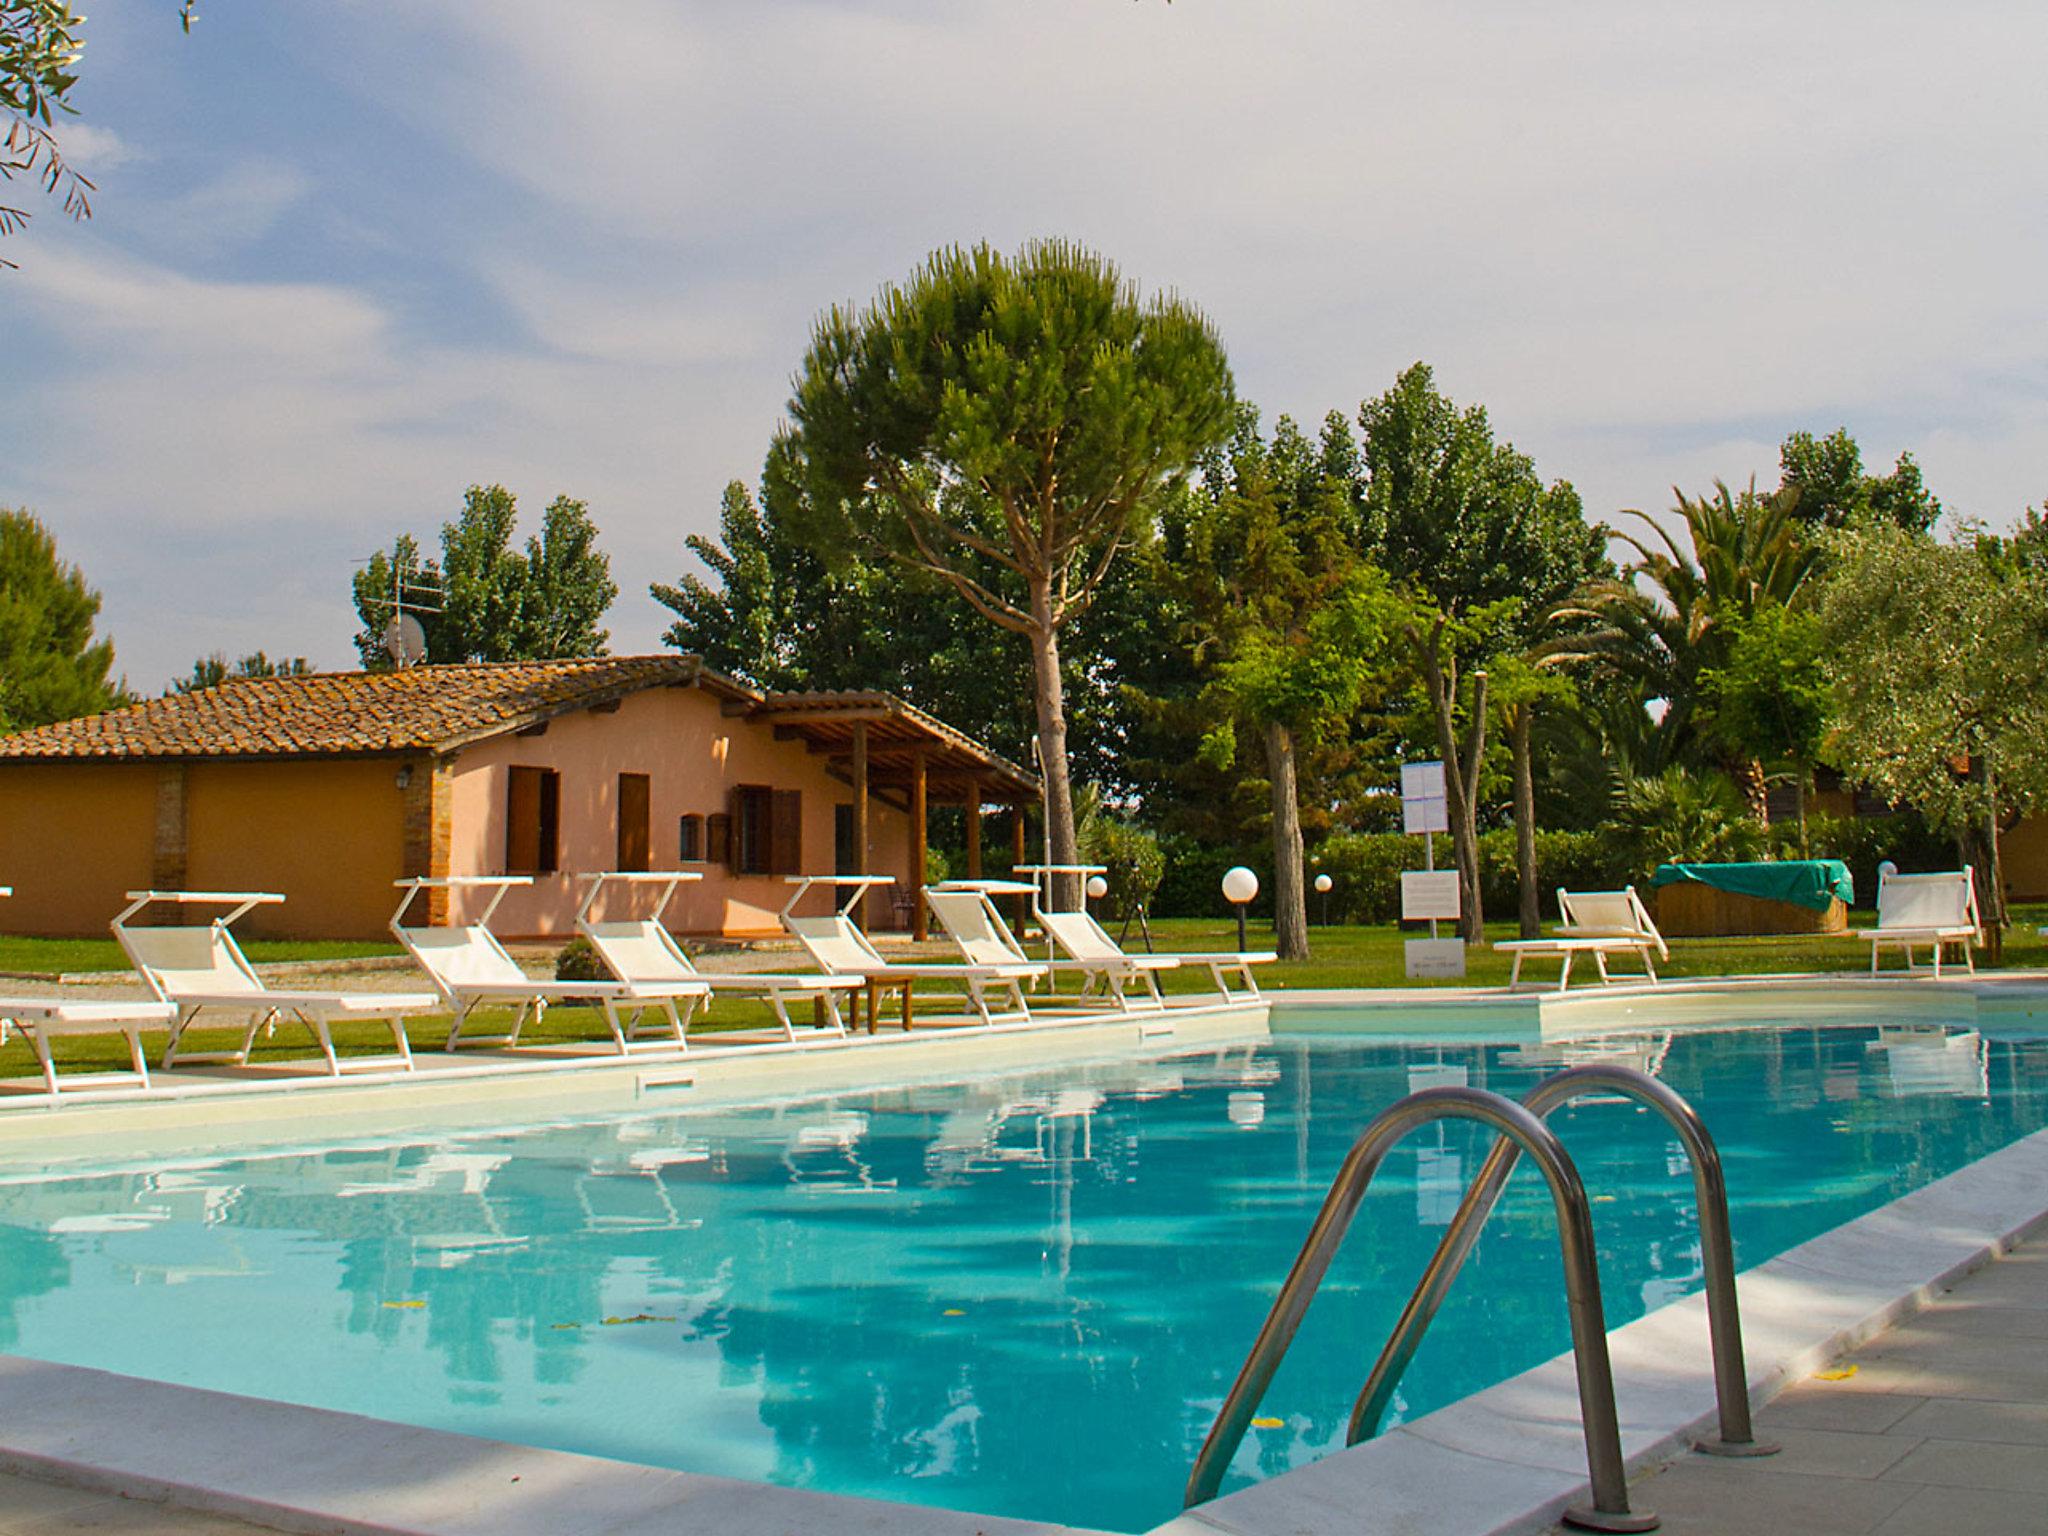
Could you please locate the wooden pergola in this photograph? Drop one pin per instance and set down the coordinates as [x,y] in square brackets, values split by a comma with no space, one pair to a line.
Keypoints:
[892,751]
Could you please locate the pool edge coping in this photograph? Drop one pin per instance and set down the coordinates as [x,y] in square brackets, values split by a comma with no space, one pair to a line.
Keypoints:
[1508,1459]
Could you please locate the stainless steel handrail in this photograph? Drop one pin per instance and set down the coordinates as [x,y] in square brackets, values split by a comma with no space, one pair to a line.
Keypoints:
[1717,1251]
[1609,1510]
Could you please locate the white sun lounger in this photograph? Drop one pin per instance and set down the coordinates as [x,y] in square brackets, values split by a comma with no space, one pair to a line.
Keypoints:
[1596,923]
[838,947]
[1089,948]
[642,953]
[1931,910]
[197,969]
[470,968]
[38,1019]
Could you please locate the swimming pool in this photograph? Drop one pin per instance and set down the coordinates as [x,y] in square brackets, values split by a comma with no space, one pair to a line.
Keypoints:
[1023,1296]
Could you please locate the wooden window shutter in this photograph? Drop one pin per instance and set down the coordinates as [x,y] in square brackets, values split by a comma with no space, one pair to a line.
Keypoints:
[722,833]
[787,821]
[634,836]
[522,821]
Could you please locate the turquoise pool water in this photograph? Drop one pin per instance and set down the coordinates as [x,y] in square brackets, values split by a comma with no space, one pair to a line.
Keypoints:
[1024,1296]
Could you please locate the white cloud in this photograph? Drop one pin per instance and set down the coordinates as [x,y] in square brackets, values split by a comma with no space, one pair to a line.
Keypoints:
[96,150]
[1651,240]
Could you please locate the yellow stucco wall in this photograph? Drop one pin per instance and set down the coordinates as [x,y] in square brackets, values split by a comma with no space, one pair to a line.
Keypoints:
[73,837]
[328,835]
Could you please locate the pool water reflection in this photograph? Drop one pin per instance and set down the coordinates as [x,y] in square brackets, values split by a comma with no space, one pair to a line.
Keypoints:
[1024,1296]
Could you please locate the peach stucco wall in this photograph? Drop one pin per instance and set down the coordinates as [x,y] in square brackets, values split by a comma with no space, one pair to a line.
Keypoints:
[328,835]
[73,837]
[692,754]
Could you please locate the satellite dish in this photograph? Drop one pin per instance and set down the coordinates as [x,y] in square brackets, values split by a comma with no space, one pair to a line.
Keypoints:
[405,640]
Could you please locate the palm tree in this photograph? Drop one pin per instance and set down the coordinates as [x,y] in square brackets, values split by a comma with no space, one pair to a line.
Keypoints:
[1658,625]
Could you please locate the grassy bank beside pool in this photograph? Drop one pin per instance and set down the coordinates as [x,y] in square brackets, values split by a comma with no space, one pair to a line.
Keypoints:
[1339,957]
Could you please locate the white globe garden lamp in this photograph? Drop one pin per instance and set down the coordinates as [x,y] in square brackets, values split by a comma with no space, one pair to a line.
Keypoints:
[1324,885]
[1240,885]
[1097,887]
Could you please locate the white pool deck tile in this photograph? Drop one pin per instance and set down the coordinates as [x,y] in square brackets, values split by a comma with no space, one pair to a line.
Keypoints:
[1914,1443]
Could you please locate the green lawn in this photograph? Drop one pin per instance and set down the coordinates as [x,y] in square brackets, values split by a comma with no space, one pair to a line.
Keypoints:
[72,957]
[1340,957]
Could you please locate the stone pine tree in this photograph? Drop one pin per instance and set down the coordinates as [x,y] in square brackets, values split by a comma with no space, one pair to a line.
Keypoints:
[51,666]
[1011,426]
[1483,548]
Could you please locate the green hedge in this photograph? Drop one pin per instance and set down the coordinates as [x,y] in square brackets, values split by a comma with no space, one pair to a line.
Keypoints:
[1366,868]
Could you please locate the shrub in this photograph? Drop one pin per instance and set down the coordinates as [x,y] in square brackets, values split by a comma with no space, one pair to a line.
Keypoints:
[577,961]
[1191,882]
[1134,859]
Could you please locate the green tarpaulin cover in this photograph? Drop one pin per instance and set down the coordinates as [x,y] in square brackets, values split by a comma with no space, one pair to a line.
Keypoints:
[1803,882]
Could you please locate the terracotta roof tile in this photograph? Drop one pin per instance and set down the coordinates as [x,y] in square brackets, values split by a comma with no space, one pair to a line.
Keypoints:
[420,709]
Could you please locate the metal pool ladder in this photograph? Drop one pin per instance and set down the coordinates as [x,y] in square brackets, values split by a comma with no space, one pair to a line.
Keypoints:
[1521,1129]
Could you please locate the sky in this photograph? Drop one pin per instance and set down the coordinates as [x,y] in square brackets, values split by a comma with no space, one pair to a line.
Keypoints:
[351,257]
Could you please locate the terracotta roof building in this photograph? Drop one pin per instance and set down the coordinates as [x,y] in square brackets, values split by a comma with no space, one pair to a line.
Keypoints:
[329,787]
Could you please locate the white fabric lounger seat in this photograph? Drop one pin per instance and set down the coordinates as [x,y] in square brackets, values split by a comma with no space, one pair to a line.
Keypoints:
[1596,923]
[646,958]
[1930,910]
[471,969]
[1089,949]
[838,947]
[39,1019]
[199,969]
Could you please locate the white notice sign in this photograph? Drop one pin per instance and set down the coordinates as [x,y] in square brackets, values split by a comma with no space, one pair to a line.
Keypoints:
[1428,894]
[1435,957]
[1424,805]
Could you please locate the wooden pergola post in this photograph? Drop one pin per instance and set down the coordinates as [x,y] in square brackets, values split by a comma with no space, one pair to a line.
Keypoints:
[1019,909]
[917,844]
[973,828]
[860,812]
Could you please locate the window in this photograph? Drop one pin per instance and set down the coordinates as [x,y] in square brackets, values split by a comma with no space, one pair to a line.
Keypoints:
[533,814]
[753,831]
[633,821]
[765,831]
[690,840]
[843,862]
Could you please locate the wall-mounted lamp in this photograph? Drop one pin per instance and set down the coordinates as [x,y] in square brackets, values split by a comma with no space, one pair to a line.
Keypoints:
[404,778]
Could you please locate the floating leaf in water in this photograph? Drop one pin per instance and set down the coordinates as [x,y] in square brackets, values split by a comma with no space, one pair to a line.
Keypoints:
[952,1312]
[405,1306]
[1839,1373]
[558,1327]
[637,1317]
[1268,1423]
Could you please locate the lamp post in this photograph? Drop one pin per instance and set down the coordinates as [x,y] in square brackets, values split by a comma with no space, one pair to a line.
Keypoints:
[1240,885]
[1323,885]
[1097,887]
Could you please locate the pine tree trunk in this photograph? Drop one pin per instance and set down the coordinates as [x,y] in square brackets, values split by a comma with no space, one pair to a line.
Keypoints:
[1052,751]
[1519,724]
[1290,898]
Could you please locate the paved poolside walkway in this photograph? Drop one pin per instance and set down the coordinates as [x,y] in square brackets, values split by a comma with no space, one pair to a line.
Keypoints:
[1940,1427]
[43,1509]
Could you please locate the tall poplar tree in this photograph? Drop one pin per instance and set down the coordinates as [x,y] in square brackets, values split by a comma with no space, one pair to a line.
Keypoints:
[1484,548]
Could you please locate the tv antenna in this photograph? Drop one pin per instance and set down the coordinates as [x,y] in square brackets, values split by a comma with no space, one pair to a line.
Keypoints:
[413,592]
